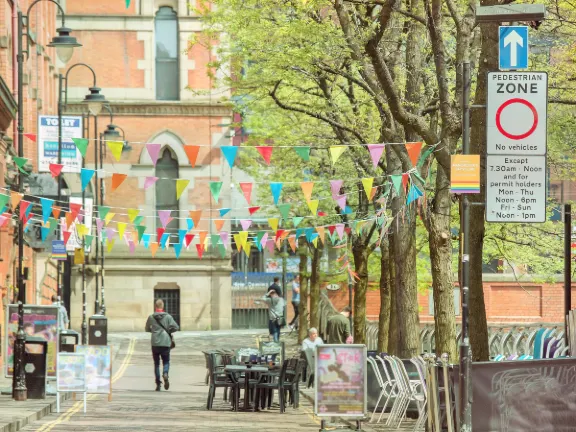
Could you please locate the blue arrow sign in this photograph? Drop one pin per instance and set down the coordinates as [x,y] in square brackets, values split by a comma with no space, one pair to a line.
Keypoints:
[513,47]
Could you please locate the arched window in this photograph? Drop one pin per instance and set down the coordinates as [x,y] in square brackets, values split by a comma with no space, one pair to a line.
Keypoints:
[167,173]
[167,70]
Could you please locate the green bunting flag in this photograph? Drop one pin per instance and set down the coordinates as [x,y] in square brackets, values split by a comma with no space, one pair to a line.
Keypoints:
[20,163]
[284,210]
[103,211]
[138,220]
[424,156]
[4,200]
[222,250]
[215,188]
[297,220]
[303,152]
[81,144]
[397,181]
[140,229]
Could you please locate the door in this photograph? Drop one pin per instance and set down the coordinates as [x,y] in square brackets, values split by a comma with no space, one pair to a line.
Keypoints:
[171,299]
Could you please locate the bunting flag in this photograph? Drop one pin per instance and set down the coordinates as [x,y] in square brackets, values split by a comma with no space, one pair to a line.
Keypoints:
[292,242]
[188,239]
[165,240]
[273,222]
[75,210]
[140,229]
[159,233]
[69,219]
[405,179]
[376,151]
[303,152]
[181,184]
[177,249]
[336,152]
[121,229]
[30,136]
[219,223]
[340,230]
[149,181]
[237,242]
[413,150]
[425,156]
[81,144]
[44,232]
[202,235]
[4,200]
[117,180]
[164,216]
[321,233]
[110,233]
[313,206]
[109,217]
[192,153]
[127,4]
[276,188]
[21,163]
[373,193]
[224,236]
[66,236]
[189,223]
[55,169]
[56,211]
[154,248]
[46,208]
[253,210]
[200,250]
[195,215]
[85,176]
[15,198]
[132,214]
[99,226]
[284,210]
[116,149]
[335,186]
[246,223]
[223,211]
[230,153]
[307,189]
[247,191]
[367,183]
[413,195]
[146,240]
[270,245]
[397,182]
[341,200]
[265,152]
[153,151]
[296,220]
[181,235]
[215,188]
[103,212]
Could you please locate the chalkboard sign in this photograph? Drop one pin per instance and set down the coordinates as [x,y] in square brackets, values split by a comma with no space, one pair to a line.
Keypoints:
[71,376]
[340,389]
[98,368]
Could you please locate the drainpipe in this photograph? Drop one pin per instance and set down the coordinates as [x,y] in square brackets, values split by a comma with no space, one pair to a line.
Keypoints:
[15,67]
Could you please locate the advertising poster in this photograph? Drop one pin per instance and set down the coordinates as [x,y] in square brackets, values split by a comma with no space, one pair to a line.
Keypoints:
[39,321]
[74,242]
[98,368]
[71,372]
[59,250]
[465,174]
[48,143]
[340,389]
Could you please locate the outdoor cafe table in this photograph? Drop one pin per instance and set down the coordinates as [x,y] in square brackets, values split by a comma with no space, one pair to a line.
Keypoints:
[248,371]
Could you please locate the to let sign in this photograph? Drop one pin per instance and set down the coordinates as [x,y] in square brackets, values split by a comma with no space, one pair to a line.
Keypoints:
[516,114]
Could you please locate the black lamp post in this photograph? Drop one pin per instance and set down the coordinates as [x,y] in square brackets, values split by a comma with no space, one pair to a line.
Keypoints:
[64,44]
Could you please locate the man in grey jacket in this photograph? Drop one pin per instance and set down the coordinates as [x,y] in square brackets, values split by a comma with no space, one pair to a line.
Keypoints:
[275,313]
[161,325]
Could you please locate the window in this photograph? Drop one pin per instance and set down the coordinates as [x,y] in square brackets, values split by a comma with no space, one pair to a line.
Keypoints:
[171,299]
[166,170]
[167,71]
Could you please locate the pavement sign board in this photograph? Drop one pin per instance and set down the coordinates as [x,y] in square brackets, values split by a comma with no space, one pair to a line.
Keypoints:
[516,114]
[98,368]
[516,188]
[513,47]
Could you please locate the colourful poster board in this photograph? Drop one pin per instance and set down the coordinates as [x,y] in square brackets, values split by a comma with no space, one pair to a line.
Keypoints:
[71,375]
[40,321]
[465,174]
[98,368]
[340,389]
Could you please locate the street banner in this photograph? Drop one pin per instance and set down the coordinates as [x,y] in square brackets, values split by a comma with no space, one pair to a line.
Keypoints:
[48,143]
[340,381]
[40,321]
[98,368]
[59,250]
[465,174]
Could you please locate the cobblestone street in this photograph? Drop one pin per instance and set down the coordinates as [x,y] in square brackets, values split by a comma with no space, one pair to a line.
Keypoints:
[135,406]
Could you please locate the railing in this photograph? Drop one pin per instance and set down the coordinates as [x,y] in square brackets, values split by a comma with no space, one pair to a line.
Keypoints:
[505,339]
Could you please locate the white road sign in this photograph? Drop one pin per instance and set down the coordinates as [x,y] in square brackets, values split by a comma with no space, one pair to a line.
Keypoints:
[516,188]
[516,114]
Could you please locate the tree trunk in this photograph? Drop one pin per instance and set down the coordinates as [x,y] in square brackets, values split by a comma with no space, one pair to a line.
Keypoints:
[441,261]
[303,308]
[394,288]
[361,254]
[385,291]
[315,288]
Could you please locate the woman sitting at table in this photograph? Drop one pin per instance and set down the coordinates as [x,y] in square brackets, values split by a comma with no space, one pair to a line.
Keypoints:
[309,348]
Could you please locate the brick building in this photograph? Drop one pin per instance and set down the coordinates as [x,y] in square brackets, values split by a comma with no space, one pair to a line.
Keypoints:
[158,93]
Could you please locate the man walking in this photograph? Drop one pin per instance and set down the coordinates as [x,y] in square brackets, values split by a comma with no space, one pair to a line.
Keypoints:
[63,320]
[295,301]
[161,325]
[275,313]
[338,327]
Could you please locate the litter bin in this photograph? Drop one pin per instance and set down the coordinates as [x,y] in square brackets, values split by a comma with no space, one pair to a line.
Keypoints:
[68,340]
[35,366]
[98,330]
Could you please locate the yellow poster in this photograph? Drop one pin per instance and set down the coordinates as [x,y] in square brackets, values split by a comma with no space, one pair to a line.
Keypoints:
[465,174]
[79,256]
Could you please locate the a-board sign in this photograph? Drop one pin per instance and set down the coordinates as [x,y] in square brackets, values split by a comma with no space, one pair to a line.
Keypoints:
[340,381]
[98,368]
[516,113]
[71,375]
[40,321]
[516,189]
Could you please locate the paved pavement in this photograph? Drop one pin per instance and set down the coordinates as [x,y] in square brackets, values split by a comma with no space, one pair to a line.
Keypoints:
[135,406]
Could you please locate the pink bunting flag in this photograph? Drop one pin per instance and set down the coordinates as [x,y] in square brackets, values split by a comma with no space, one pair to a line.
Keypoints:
[164,216]
[99,226]
[376,151]
[264,240]
[224,237]
[149,181]
[341,200]
[340,230]
[154,152]
[335,186]
[110,233]
[270,245]
[132,246]
[3,220]
[245,224]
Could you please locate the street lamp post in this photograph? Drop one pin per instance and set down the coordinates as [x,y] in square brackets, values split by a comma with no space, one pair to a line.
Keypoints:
[64,44]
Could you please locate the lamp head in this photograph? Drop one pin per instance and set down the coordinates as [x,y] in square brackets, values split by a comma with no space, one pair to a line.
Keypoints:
[95,101]
[64,44]
[111,134]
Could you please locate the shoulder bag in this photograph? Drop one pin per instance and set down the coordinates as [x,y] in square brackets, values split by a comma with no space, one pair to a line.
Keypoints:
[172,344]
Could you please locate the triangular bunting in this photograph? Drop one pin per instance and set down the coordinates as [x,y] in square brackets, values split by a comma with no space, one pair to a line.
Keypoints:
[21,163]
[413,195]
[313,206]
[149,181]
[154,152]
[85,177]
[46,208]
[273,222]
[253,210]
[55,169]
[284,210]
[276,188]
[103,211]
[15,199]
[164,216]
[219,223]
[397,182]
[180,186]
[215,188]
[229,153]
[303,152]
[192,153]
[140,229]
[247,191]
[154,248]
[265,152]
[81,144]
[195,215]
[367,183]
[413,150]
[336,152]
[321,233]
[117,180]
[307,189]
[335,186]
[31,136]
[292,242]
[177,249]
[132,214]
[296,220]
[200,250]
[56,211]
[223,211]
[376,151]
[246,223]
[121,229]
[116,149]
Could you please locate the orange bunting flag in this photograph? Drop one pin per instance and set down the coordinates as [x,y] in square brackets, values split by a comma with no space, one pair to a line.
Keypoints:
[292,241]
[117,180]
[15,199]
[30,136]
[202,235]
[413,150]
[307,189]
[154,248]
[192,153]
[247,191]
[56,211]
[320,230]
[373,193]
[219,223]
[195,215]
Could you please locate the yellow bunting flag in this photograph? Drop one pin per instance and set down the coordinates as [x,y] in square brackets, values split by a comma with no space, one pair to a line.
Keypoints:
[132,214]
[320,230]
[154,248]
[195,215]
[180,186]
[15,199]
[359,226]
[367,183]
[110,244]
[336,152]
[116,148]
[292,241]
[109,217]
[238,242]
[248,248]
[243,235]
[307,189]
[82,230]
[121,228]
[273,222]
[313,206]
[315,242]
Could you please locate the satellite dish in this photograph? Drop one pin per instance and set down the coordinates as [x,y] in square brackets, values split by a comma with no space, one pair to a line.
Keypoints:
[333,287]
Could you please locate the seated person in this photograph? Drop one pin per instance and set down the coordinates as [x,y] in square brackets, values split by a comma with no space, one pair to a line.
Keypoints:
[309,349]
